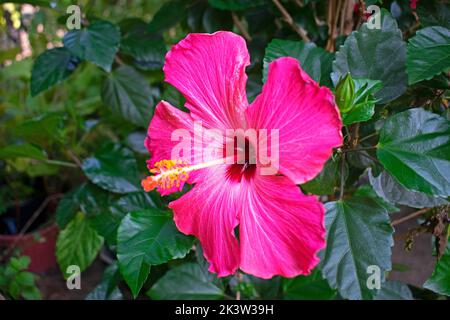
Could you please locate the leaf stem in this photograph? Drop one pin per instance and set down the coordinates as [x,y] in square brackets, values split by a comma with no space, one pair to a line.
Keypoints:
[359,149]
[368,137]
[61,163]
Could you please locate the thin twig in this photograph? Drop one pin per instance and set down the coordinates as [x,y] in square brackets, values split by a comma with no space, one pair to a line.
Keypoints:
[368,137]
[290,21]
[33,218]
[359,149]
[240,27]
[61,163]
[341,188]
[410,216]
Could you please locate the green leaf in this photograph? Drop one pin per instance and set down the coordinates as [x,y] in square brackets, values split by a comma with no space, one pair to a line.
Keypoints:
[235,5]
[97,43]
[113,168]
[434,14]
[42,130]
[78,244]
[128,94]
[185,282]
[428,53]
[327,181]
[20,263]
[22,151]
[361,104]
[168,15]
[147,49]
[145,238]
[314,60]
[377,54]
[439,281]
[69,206]
[312,287]
[414,147]
[394,290]
[390,190]
[50,68]
[359,235]
[107,289]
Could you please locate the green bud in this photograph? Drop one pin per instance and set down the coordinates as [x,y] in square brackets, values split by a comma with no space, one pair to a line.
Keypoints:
[345,91]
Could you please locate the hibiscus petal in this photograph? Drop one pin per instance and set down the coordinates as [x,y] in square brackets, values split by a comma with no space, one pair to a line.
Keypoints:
[281,230]
[209,70]
[210,212]
[305,114]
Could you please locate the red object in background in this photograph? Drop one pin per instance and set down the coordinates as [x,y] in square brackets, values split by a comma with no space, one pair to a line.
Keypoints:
[39,246]
[413,4]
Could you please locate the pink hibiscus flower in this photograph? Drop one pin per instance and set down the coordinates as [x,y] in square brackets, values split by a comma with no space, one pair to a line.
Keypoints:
[262,224]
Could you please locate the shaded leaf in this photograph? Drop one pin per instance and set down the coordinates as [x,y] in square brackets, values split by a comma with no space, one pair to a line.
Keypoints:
[428,53]
[394,290]
[314,60]
[186,281]
[97,43]
[311,287]
[439,281]
[22,151]
[50,68]
[377,54]
[390,190]
[113,168]
[128,94]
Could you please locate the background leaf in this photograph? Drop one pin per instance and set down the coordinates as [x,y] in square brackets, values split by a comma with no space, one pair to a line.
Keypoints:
[394,290]
[97,43]
[311,287]
[314,60]
[113,168]
[78,244]
[128,94]
[428,53]
[440,279]
[50,68]
[377,55]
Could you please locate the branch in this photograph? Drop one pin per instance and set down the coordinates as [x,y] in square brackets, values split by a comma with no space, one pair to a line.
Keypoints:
[341,188]
[288,18]
[410,216]
[240,27]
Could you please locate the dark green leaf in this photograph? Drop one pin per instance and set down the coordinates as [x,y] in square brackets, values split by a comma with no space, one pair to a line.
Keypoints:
[168,15]
[128,94]
[327,180]
[147,49]
[97,43]
[390,190]
[434,14]
[394,290]
[22,151]
[414,147]
[439,281]
[78,244]
[42,129]
[235,5]
[68,206]
[377,55]
[146,238]
[428,53]
[314,60]
[113,168]
[107,289]
[312,287]
[50,68]
[359,234]
[186,281]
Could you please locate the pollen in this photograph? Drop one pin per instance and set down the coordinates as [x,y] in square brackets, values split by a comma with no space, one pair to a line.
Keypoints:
[166,175]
